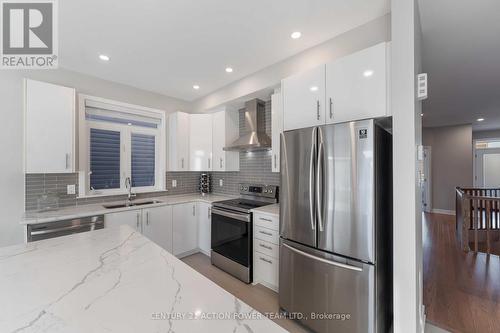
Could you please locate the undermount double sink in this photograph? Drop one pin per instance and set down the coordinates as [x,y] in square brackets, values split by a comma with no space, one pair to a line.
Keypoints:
[131,204]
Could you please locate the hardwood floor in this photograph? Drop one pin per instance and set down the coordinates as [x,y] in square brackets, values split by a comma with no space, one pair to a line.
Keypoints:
[260,298]
[461,290]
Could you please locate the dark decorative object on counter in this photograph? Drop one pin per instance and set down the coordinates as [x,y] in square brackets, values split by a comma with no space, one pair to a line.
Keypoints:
[205,184]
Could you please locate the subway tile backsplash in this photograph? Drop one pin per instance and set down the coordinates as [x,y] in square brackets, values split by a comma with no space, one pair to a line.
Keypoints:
[255,167]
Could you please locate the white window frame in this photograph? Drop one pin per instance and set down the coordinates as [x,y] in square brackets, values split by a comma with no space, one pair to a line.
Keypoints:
[125,146]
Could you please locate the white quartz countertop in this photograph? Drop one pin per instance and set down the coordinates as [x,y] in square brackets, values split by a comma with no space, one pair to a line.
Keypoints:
[269,209]
[98,209]
[113,280]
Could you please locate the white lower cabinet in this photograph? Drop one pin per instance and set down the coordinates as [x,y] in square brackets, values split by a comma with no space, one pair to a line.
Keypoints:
[129,217]
[266,250]
[154,223]
[185,229]
[157,226]
[204,227]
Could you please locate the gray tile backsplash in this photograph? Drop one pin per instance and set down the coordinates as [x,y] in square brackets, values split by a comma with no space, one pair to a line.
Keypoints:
[255,167]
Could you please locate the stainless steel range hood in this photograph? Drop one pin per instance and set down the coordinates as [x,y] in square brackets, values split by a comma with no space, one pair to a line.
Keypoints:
[255,137]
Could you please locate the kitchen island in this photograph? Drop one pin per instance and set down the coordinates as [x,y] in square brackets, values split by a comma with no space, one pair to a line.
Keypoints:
[113,280]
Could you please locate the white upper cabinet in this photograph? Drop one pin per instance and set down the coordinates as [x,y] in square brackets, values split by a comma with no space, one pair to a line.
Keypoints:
[277,129]
[304,99]
[357,86]
[49,128]
[178,142]
[200,142]
[225,130]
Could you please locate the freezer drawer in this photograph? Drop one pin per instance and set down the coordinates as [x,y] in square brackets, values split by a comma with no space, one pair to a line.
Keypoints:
[314,282]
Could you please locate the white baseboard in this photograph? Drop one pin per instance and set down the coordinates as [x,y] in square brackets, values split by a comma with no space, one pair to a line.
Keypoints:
[443,211]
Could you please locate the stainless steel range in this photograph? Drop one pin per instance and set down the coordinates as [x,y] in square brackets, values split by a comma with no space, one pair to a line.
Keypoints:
[232,228]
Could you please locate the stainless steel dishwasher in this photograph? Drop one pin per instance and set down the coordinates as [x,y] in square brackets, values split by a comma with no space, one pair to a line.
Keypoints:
[64,227]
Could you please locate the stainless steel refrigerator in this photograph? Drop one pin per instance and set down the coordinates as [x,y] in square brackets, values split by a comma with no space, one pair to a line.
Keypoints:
[336,227]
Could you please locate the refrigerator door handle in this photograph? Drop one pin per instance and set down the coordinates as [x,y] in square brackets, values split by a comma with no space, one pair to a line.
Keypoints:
[319,181]
[328,262]
[311,178]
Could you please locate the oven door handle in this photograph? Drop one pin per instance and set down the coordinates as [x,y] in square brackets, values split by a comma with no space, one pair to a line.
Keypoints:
[241,217]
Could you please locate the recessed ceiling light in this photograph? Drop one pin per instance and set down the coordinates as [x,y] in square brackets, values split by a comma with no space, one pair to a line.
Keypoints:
[229,70]
[103,57]
[130,124]
[296,35]
[314,88]
[480,119]
[368,73]
[196,87]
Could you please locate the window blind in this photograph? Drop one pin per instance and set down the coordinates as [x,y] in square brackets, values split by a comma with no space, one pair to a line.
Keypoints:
[143,160]
[104,159]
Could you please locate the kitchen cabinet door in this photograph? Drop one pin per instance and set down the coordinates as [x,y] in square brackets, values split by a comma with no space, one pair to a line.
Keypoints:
[157,226]
[204,227]
[303,99]
[49,128]
[185,229]
[178,142]
[225,130]
[133,218]
[277,129]
[200,142]
[357,86]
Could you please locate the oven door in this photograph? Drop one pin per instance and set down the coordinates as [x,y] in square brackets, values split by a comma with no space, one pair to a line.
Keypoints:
[231,235]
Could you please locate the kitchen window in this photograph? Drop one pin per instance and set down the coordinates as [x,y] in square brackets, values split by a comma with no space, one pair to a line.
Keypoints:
[120,141]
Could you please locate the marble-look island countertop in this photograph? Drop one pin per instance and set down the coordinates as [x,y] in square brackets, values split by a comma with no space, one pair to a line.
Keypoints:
[99,209]
[113,280]
[269,209]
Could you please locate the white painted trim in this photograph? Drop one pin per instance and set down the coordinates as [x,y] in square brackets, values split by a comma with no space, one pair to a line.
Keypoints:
[443,211]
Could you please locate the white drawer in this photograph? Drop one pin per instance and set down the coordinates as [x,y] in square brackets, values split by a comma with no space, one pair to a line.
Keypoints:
[266,248]
[267,235]
[266,270]
[266,221]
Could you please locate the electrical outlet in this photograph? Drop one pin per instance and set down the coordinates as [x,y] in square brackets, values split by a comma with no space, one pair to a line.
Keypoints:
[174,183]
[71,189]
[221,182]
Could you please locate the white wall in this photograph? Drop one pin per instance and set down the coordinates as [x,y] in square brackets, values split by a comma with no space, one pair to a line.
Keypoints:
[374,32]
[406,62]
[11,135]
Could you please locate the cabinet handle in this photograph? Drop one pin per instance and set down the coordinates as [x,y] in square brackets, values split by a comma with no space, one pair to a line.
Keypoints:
[331,108]
[137,221]
[275,161]
[67,160]
[147,217]
[264,219]
[182,163]
[317,109]
[220,162]
[209,162]
[265,246]
[266,233]
[194,210]
[209,212]
[265,260]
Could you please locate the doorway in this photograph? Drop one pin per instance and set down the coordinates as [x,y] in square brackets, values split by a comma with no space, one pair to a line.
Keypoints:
[487,163]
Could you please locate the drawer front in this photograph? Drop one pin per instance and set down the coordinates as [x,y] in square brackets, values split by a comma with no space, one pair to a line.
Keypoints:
[267,235]
[266,269]
[266,248]
[267,221]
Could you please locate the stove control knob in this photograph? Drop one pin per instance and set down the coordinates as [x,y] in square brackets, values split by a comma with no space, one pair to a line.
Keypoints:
[265,191]
[271,191]
[246,188]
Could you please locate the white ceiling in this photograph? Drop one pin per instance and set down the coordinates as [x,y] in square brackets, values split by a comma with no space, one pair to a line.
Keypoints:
[166,46]
[461,53]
